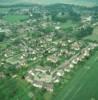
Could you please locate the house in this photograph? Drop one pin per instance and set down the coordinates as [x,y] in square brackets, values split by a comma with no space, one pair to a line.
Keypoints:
[57,27]
[14,76]
[56,80]
[70,41]
[86,19]
[52,58]
[38,84]
[67,70]
[74,61]
[28,79]
[71,66]
[31,73]
[60,73]
[86,53]
[46,78]
[41,69]
[48,87]
[75,46]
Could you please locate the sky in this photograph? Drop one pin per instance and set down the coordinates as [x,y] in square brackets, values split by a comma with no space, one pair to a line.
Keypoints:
[80,2]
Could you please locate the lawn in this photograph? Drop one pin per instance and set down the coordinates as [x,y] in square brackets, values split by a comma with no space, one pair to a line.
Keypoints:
[83,85]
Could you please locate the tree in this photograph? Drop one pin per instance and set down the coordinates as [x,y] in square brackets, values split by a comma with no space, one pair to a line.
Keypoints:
[2,36]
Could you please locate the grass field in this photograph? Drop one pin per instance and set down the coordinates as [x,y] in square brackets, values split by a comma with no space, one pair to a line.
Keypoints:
[94,36]
[14,18]
[83,85]
[69,24]
[13,89]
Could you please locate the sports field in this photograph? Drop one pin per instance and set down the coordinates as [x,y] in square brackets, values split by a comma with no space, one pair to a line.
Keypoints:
[83,85]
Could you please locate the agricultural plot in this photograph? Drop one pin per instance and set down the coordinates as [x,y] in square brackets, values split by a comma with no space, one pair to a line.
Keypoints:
[83,84]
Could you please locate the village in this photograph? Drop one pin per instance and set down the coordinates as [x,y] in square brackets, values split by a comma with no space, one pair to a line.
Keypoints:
[45,77]
[46,57]
[48,51]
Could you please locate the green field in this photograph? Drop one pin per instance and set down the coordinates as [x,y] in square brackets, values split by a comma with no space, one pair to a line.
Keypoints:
[69,24]
[94,36]
[83,85]
[14,18]
[13,89]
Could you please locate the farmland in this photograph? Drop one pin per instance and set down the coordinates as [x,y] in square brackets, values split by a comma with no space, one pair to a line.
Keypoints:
[83,82]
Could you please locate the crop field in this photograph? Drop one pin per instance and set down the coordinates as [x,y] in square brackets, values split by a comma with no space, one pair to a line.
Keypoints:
[83,84]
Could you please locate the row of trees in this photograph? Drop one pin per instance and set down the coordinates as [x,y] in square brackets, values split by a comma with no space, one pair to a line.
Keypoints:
[83,32]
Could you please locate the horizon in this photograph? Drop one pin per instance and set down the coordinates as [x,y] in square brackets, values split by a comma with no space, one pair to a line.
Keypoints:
[49,2]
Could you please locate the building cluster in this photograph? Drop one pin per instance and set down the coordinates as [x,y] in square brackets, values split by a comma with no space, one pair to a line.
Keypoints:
[45,77]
